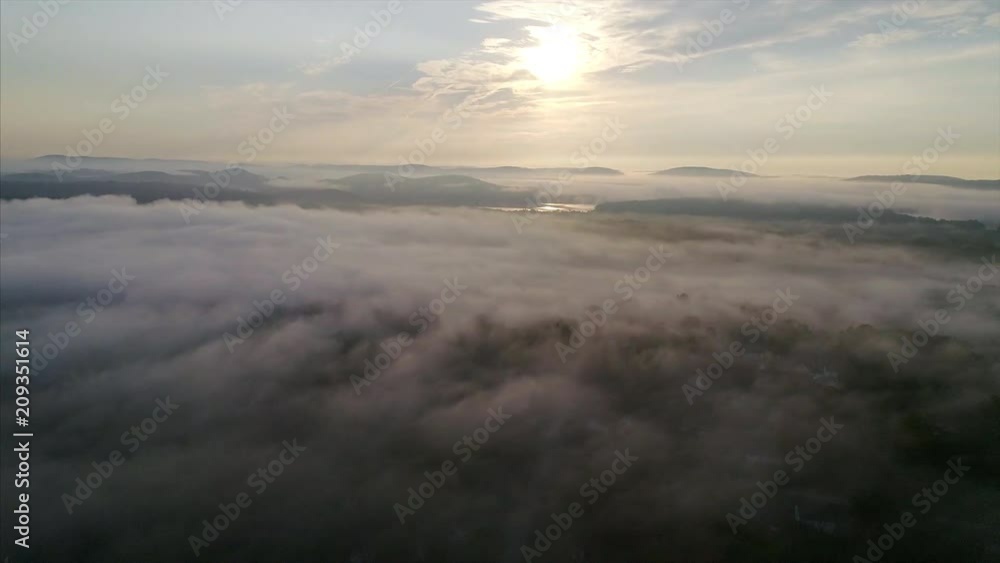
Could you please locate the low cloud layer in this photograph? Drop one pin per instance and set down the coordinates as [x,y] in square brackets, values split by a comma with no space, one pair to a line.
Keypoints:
[495,344]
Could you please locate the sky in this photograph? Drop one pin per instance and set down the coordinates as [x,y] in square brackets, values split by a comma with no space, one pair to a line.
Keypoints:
[511,83]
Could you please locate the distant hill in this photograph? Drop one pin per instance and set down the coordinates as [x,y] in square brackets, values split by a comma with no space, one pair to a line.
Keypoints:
[234,178]
[119,164]
[378,184]
[351,169]
[151,191]
[701,171]
[449,189]
[588,171]
[360,189]
[949,181]
[424,170]
[754,211]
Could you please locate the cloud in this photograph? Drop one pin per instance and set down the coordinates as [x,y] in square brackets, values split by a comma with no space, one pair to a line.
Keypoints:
[323,64]
[494,346]
[870,40]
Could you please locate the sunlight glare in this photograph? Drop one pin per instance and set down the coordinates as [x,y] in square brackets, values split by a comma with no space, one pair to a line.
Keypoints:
[558,56]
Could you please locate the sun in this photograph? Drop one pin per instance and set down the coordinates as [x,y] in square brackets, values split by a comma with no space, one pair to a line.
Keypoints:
[557,57]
